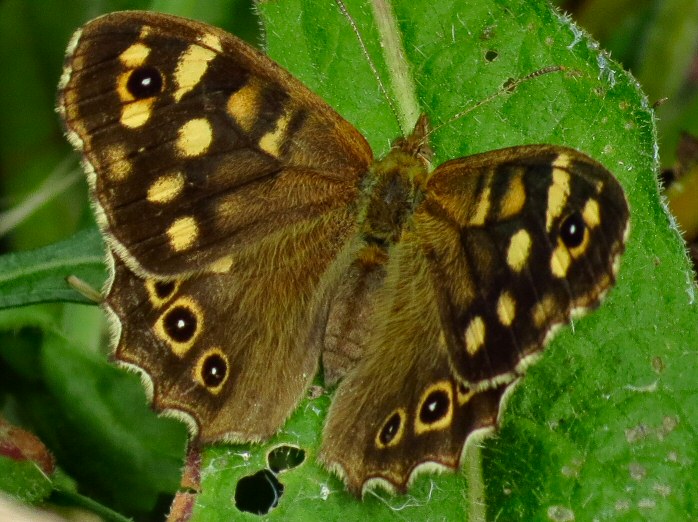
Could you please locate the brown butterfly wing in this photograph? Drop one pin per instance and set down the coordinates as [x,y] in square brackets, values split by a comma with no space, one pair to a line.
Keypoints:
[518,241]
[226,191]
[401,409]
[505,246]
[195,143]
[228,349]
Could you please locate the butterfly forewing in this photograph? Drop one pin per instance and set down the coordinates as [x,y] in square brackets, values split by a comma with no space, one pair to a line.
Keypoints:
[197,143]
[518,240]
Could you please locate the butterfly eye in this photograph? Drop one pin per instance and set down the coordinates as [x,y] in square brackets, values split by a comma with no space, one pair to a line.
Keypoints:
[144,82]
[434,407]
[180,324]
[572,230]
[391,431]
[214,370]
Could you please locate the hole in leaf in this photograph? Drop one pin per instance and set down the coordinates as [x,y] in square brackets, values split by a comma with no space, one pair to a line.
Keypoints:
[285,457]
[259,493]
[491,55]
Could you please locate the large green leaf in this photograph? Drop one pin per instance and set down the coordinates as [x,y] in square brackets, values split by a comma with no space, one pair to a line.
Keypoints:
[600,428]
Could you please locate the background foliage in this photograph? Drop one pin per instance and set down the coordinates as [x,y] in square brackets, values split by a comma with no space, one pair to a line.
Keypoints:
[566,435]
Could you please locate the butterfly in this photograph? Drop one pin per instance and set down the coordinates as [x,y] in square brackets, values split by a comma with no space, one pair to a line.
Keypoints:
[254,239]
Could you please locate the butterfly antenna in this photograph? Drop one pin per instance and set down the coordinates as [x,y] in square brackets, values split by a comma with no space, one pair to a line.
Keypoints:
[364,50]
[509,86]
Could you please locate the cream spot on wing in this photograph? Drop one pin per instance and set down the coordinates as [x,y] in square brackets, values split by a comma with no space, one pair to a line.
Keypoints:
[222,265]
[543,311]
[135,55]
[519,250]
[506,308]
[591,213]
[166,188]
[243,105]
[136,113]
[562,161]
[560,261]
[194,137]
[115,163]
[211,40]
[271,142]
[475,335]
[482,208]
[193,63]
[559,190]
[514,198]
[183,233]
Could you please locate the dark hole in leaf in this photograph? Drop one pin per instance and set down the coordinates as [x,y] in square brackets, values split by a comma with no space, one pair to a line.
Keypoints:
[259,493]
[491,55]
[285,457]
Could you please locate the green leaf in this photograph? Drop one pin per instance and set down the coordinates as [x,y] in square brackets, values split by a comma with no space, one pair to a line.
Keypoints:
[24,480]
[40,275]
[612,393]
[601,428]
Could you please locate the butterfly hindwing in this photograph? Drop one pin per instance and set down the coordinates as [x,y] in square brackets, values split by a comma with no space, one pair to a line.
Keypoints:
[224,347]
[417,415]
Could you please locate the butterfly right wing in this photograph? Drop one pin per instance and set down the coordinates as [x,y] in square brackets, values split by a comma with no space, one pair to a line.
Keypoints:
[518,240]
[505,246]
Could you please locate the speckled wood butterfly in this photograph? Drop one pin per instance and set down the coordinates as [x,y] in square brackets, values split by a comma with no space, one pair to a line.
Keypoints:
[253,236]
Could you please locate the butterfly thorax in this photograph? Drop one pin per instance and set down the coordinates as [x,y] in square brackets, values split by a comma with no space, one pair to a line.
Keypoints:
[391,190]
[394,186]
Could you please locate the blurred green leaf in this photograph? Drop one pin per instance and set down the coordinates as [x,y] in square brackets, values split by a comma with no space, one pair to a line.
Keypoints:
[40,275]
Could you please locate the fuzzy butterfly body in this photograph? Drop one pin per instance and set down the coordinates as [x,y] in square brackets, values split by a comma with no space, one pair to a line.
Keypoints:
[253,237]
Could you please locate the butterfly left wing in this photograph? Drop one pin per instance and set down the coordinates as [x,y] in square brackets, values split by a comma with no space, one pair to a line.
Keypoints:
[196,144]
[227,186]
